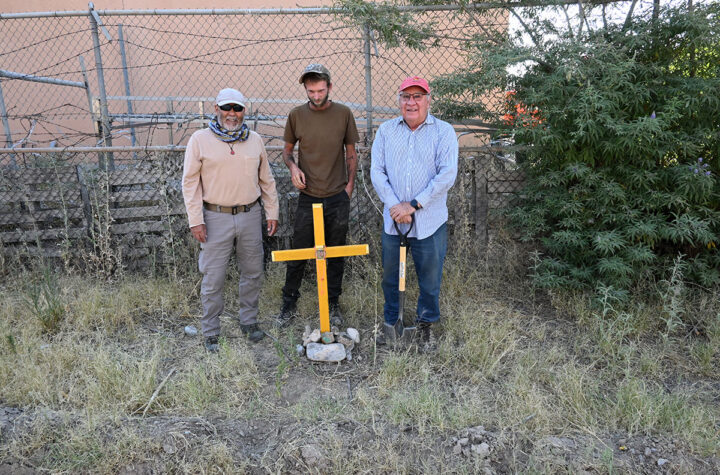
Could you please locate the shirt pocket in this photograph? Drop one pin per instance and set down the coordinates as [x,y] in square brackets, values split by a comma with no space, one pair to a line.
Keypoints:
[250,166]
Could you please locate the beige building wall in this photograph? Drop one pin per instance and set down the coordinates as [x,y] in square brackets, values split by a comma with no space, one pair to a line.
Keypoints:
[16,6]
[266,71]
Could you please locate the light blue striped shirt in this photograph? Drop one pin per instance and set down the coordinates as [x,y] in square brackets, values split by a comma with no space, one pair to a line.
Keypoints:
[421,165]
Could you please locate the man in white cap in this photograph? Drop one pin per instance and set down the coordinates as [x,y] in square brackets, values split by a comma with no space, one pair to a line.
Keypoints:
[324,172]
[226,173]
[414,164]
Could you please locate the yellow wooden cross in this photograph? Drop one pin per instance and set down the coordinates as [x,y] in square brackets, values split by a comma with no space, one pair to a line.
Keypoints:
[320,253]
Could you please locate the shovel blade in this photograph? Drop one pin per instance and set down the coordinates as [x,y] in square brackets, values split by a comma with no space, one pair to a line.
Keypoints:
[408,336]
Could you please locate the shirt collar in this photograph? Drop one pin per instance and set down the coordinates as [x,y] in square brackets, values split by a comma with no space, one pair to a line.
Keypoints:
[428,120]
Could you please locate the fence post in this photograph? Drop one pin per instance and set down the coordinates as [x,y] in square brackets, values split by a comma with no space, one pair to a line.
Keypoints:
[6,126]
[126,79]
[368,88]
[481,200]
[91,108]
[104,115]
[171,112]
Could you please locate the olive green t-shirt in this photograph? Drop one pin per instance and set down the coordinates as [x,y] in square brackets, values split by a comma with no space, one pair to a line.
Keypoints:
[322,136]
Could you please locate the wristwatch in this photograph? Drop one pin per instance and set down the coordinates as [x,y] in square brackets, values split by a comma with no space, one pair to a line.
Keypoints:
[415,204]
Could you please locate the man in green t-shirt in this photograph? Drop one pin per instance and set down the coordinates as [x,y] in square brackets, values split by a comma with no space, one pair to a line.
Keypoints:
[324,172]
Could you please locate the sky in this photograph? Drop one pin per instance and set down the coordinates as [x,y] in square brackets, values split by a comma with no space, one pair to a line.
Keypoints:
[615,13]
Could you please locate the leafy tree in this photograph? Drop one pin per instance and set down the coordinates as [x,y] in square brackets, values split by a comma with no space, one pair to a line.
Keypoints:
[620,133]
[624,165]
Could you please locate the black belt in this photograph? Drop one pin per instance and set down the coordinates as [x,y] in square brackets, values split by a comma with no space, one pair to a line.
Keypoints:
[230,209]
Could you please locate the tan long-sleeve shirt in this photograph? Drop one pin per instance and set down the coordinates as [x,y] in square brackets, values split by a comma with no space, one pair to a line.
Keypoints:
[213,174]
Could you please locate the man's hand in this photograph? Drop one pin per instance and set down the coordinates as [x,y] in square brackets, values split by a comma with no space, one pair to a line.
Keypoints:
[272,226]
[400,213]
[199,232]
[349,190]
[297,177]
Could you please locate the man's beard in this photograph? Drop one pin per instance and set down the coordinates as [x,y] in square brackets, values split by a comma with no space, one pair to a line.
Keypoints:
[322,103]
[231,127]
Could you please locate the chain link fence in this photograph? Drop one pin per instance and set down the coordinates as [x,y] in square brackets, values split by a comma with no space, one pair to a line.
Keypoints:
[63,205]
[140,83]
[152,77]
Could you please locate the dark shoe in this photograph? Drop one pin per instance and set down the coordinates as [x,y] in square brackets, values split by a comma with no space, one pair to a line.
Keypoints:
[287,313]
[391,334]
[211,344]
[425,337]
[336,318]
[424,332]
[252,332]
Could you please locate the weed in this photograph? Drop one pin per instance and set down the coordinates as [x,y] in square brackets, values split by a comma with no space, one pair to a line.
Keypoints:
[671,296]
[45,301]
[12,345]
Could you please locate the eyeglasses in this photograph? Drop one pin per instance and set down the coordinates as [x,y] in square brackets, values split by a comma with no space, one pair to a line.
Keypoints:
[235,107]
[416,97]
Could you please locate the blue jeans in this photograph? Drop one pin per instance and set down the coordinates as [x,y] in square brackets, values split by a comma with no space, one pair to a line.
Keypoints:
[428,255]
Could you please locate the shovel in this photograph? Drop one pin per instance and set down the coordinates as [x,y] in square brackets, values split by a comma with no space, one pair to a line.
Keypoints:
[403,334]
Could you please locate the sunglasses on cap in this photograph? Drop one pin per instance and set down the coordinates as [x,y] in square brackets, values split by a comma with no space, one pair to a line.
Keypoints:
[235,107]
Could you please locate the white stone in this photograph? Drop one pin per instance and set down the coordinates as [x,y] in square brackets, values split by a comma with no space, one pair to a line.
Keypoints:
[354,334]
[333,352]
[191,330]
[311,455]
[300,350]
[483,450]
[662,462]
[345,339]
[169,445]
[313,337]
[463,441]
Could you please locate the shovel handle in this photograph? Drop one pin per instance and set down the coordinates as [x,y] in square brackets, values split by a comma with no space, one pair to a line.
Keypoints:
[404,236]
[403,253]
[401,273]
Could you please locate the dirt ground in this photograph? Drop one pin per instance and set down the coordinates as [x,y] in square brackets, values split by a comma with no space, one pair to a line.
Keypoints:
[334,441]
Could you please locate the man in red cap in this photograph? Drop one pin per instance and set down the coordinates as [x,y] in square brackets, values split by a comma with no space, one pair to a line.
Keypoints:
[324,172]
[414,164]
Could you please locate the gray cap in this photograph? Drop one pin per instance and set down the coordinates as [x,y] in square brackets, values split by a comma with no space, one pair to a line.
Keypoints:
[230,96]
[314,68]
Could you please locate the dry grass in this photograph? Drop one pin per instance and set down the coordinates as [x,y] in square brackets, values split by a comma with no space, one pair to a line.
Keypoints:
[524,366]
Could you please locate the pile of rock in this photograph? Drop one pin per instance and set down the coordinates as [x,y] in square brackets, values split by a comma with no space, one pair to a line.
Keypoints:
[332,346]
[474,441]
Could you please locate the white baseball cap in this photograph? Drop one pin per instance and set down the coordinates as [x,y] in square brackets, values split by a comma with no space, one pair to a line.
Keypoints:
[230,96]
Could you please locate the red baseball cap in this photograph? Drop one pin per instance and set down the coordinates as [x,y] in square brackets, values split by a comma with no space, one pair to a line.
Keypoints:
[415,81]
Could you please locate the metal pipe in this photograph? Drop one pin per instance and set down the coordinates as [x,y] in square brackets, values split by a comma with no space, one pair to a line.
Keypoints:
[286,11]
[6,125]
[126,79]
[107,138]
[259,100]
[114,148]
[368,87]
[31,78]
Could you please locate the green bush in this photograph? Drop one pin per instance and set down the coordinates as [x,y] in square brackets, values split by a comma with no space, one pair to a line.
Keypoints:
[622,152]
